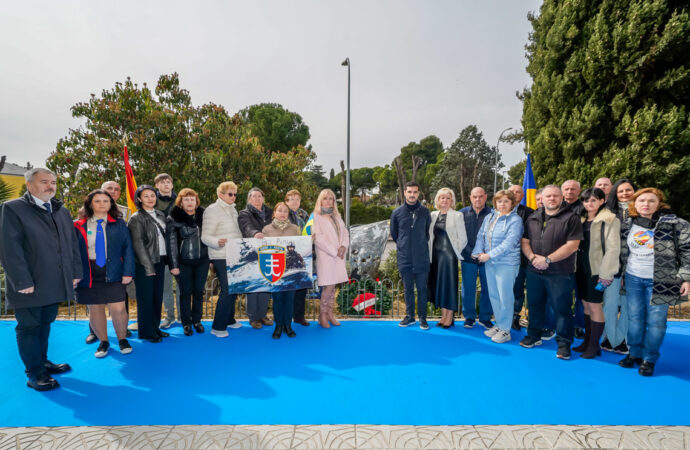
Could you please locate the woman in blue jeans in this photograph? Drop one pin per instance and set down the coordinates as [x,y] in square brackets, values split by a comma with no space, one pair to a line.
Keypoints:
[498,247]
[655,255]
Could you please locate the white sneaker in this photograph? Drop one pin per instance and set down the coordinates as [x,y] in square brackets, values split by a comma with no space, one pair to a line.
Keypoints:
[491,331]
[219,333]
[235,325]
[167,323]
[133,326]
[501,337]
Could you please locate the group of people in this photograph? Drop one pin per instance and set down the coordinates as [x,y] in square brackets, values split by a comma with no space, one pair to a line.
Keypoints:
[614,252]
[49,258]
[607,262]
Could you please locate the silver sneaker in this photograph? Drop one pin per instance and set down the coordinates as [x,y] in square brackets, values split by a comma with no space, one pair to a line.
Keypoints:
[219,333]
[491,332]
[501,337]
[167,323]
[235,325]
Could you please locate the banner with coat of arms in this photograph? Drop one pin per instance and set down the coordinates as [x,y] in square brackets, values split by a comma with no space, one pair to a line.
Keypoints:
[272,264]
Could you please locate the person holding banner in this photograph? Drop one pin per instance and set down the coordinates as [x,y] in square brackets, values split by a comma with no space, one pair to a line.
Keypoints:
[220,226]
[299,217]
[147,227]
[331,240]
[283,300]
[252,221]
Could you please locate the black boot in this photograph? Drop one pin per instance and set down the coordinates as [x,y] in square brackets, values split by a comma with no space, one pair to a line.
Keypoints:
[588,331]
[593,349]
[277,331]
[646,369]
[289,331]
[516,322]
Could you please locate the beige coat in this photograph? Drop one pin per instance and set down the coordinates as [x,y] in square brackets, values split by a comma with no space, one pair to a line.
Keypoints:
[455,228]
[605,266]
[271,230]
[220,221]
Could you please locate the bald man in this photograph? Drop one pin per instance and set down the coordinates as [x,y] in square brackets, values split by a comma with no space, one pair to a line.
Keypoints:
[604,184]
[519,288]
[571,201]
[471,268]
[113,188]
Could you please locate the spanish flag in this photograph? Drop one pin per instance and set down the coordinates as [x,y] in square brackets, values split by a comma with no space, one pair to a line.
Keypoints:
[131,183]
[529,186]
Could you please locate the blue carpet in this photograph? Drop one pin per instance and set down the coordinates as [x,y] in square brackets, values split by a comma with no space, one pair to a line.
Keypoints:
[360,373]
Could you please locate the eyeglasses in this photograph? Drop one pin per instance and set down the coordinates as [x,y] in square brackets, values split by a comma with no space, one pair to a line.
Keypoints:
[231,194]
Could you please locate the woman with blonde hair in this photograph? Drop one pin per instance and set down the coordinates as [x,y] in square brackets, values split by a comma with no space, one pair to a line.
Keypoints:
[331,240]
[447,238]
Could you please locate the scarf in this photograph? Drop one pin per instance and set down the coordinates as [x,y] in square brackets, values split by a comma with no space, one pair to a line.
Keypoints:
[281,224]
[326,210]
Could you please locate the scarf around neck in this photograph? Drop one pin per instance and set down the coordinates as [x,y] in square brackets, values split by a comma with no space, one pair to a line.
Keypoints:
[281,224]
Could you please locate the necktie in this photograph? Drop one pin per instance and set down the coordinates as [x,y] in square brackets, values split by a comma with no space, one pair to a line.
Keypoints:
[46,205]
[100,244]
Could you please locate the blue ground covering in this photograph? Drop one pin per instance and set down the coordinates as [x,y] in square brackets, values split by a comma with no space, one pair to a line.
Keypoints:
[360,373]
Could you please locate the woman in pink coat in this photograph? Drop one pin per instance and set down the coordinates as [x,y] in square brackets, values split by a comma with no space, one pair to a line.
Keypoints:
[331,241]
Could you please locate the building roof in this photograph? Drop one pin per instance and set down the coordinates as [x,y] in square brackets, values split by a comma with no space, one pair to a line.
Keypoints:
[13,170]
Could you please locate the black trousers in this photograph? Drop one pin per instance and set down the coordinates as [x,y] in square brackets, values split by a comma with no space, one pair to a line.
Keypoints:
[149,300]
[33,330]
[225,307]
[409,281]
[283,307]
[192,281]
[299,308]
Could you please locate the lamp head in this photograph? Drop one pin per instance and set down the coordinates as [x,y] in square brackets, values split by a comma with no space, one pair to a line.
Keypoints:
[346,62]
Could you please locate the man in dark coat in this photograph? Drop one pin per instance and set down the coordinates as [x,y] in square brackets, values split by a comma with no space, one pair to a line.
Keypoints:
[410,230]
[40,253]
[519,288]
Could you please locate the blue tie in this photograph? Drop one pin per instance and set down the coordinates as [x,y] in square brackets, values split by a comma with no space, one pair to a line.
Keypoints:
[100,244]
[46,205]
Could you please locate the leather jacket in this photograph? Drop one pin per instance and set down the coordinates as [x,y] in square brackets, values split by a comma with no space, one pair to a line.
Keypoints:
[250,221]
[144,232]
[183,237]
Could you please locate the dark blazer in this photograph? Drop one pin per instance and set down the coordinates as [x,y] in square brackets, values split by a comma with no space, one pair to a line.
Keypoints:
[183,237]
[145,238]
[38,249]
[120,259]
[410,231]
[250,221]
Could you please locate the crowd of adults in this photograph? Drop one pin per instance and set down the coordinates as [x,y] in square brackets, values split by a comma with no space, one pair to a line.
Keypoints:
[605,262]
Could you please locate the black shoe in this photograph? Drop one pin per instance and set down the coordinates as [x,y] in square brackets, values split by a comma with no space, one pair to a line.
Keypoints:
[277,332]
[486,324]
[516,322]
[187,329]
[423,324]
[56,369]
[646,369]
[606,345]
[289,331]
[125,348]
[406,322]
[563,351]
[629,362]
[156,340]
[622,349]
[469,323]
[579,333]
[302,322]
[162,334]
[102,349]
[91,338]
[199,327]
[529,342]
[547,335]
[129,334]
[43,382]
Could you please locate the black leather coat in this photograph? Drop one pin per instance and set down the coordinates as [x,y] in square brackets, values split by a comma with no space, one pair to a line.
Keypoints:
[144,230]
[250,221]
[183,237]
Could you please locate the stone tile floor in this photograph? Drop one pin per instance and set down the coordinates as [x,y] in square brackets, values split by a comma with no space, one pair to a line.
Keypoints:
[345,437]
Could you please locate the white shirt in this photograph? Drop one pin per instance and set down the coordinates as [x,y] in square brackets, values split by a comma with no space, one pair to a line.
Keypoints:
[40,203]
[161,238]
[641,258]
[91,231]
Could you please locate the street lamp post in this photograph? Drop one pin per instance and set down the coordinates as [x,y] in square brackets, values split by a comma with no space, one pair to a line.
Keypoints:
[496,162]
[346,206]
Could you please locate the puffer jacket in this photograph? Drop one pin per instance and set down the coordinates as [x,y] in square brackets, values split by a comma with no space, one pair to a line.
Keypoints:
[220,222]
[145,238]
[183,237]
[503,244]
[671,257]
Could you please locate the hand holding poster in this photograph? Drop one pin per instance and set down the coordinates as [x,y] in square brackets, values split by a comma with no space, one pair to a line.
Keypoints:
[272,264]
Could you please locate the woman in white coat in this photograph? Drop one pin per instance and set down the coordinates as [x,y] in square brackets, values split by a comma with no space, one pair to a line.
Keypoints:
[447,238]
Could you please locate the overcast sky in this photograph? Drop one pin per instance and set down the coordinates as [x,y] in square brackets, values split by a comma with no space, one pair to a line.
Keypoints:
[418,68]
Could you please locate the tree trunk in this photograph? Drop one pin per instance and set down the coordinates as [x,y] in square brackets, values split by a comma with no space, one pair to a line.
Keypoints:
[416,164]
[401,178]
[462,183]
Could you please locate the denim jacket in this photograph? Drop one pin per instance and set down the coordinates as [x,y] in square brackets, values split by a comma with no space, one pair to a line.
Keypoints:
[503,244]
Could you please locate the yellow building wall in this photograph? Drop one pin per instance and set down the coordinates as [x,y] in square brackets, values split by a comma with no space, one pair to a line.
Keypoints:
[15,181]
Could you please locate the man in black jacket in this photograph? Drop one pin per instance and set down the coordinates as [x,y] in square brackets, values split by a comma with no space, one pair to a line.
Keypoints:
[252,221]
[410,230]
[166,196]
[571,201]
[40,253]
[519,288]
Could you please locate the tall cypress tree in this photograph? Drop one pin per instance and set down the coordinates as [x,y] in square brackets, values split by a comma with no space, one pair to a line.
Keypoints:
[610,93]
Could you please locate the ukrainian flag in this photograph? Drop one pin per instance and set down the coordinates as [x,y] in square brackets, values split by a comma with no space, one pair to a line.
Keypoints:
[306,231]
[529,186]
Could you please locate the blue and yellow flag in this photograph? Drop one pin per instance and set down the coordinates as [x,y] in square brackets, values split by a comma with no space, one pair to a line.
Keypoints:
[306,231]
[529,186]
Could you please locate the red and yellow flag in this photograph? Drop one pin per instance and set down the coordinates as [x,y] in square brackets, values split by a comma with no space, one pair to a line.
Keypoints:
[131,183]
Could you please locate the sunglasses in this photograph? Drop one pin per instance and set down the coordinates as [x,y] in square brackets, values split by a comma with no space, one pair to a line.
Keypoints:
[231,194]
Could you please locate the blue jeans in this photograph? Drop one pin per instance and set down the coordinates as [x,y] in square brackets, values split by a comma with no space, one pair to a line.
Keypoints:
[409,281]
[616,326]
[500,279]
[519,290]
[225,307]
[646,322]
[283,305]
[557,291]
[470,271]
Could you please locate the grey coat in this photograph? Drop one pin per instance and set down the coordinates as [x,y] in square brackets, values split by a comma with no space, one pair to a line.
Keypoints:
[38,249]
